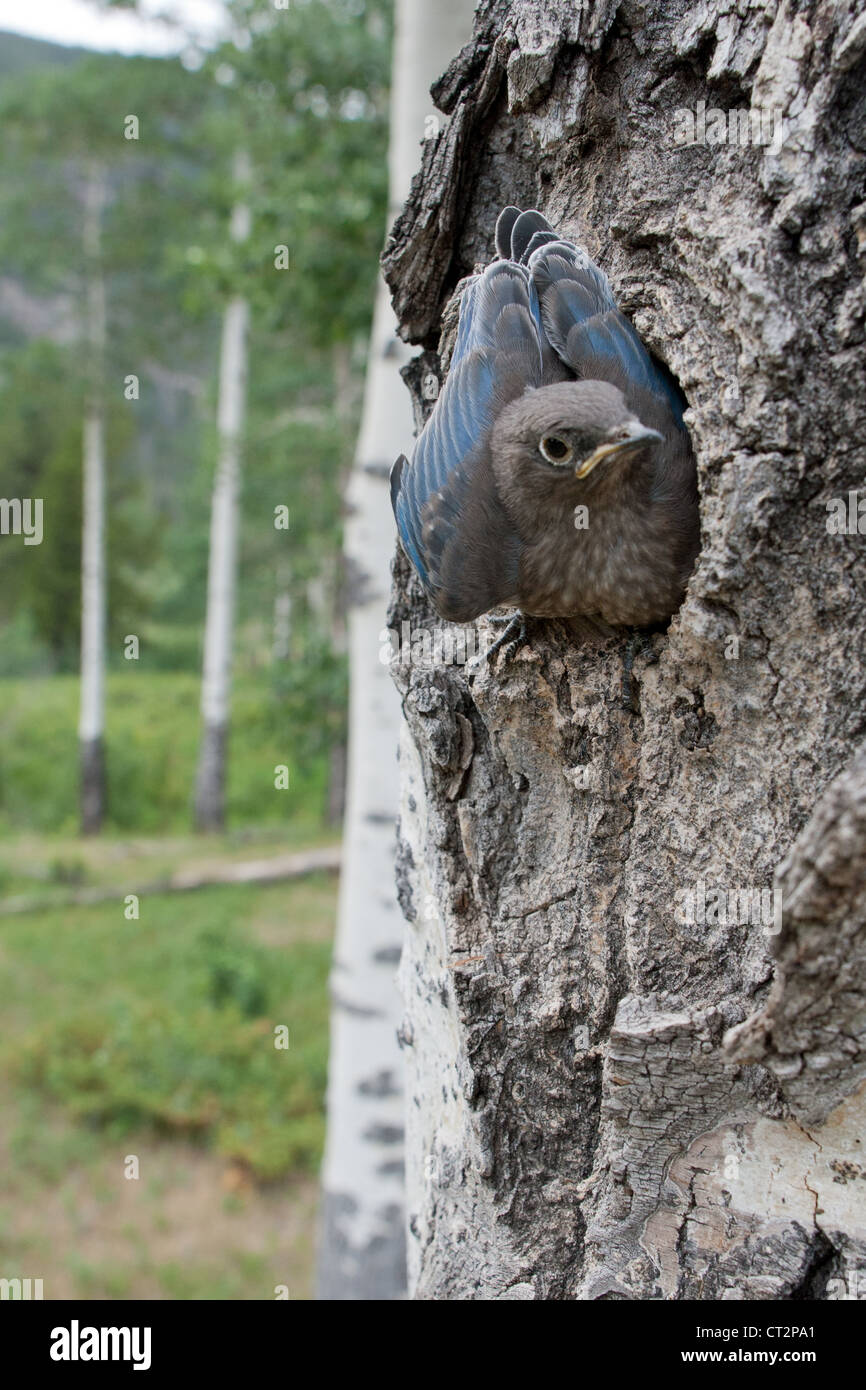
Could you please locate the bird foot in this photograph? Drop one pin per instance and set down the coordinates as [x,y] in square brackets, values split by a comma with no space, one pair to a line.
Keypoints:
[512,636]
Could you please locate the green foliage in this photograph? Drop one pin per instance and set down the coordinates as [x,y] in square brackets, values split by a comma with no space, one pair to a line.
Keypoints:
[313,80]
[312,695]
[41,453]
[152,743]
[62,122]
[303,92]
[168,1023]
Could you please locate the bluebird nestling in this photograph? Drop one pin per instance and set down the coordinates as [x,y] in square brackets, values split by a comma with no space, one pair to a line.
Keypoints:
[552,405]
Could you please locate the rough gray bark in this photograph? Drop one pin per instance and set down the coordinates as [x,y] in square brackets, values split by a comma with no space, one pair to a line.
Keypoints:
[617,1089]
[210,780]
[91,762]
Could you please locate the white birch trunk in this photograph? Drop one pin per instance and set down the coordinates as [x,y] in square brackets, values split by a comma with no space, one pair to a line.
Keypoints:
[93,602]
[362,1251]
[222,559]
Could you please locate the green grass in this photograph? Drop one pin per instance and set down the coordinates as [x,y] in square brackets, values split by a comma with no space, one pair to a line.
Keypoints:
[165,1025]
[152,738]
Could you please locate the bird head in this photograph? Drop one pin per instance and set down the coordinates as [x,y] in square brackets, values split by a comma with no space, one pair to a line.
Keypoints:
[565,431]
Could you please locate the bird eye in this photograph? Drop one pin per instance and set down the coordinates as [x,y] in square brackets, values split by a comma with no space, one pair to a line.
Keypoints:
[554,449]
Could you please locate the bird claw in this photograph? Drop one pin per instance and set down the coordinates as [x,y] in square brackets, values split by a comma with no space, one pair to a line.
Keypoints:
[512,636]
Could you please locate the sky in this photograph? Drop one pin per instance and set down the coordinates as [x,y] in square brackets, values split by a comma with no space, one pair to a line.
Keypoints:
[85,25]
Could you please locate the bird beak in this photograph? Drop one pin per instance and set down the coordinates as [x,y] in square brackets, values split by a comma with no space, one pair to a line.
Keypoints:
[631,435]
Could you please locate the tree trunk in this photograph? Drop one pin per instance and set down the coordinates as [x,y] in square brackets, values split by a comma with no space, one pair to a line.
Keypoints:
[281,640]
[335,805]
[222,557]
[91,725]
[362,1242]
[626,1077]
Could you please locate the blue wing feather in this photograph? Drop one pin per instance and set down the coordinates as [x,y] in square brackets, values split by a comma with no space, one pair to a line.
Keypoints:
[497,355]
[588,331]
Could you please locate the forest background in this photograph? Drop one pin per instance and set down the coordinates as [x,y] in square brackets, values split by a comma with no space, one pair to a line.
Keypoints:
[137,1030]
